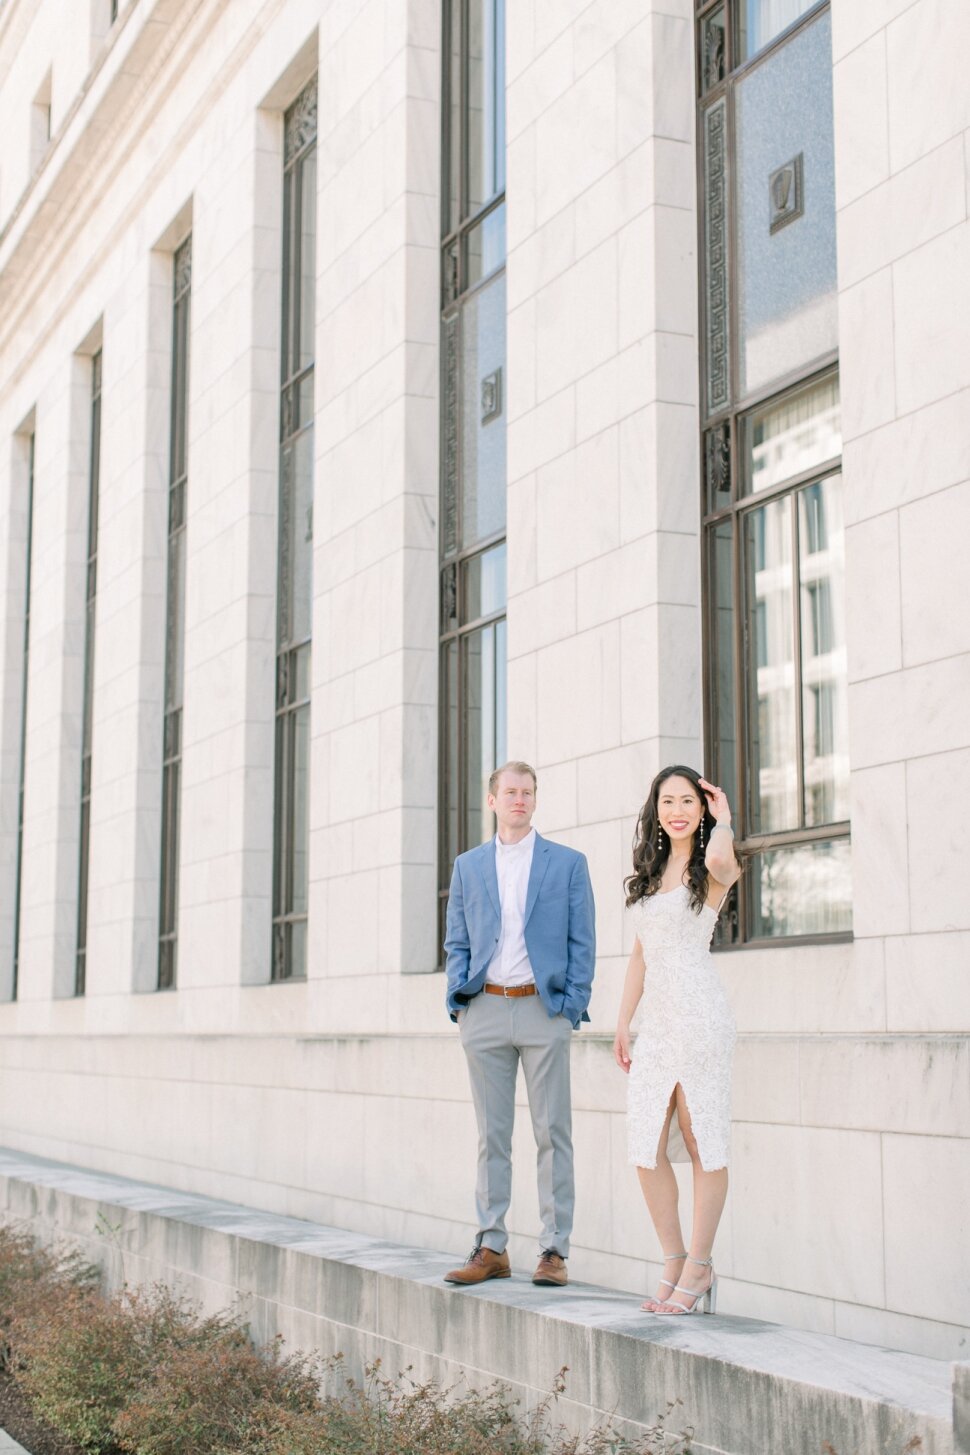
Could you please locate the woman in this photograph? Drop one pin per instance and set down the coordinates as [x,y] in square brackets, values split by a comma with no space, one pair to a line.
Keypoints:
[684,863]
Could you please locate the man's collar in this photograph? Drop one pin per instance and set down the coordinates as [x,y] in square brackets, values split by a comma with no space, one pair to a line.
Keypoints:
[529,840]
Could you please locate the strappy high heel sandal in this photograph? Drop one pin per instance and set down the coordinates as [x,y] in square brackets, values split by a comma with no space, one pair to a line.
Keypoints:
[705,1301]
[650,1305]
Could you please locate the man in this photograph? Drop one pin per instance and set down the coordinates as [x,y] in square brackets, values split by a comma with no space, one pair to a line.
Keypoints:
[520,951]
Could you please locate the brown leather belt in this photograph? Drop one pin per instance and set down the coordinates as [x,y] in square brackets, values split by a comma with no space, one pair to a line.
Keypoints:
[510,990]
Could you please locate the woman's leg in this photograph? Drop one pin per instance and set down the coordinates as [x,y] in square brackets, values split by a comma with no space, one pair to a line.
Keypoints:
[659,1187]
[710,1191]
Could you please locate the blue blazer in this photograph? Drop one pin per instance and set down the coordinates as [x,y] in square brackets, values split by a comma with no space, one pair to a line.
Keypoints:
[560,931]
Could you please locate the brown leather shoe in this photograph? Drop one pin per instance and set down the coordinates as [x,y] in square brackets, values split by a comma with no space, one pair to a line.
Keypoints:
[551,1270]
[481,1263]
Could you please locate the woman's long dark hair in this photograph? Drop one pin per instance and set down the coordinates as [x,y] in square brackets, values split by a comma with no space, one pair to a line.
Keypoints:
[649,860]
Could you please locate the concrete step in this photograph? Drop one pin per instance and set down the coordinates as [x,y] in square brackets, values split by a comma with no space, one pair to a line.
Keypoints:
[746,1387]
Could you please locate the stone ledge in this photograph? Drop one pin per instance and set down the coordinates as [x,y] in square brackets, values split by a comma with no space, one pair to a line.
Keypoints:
[746,1387]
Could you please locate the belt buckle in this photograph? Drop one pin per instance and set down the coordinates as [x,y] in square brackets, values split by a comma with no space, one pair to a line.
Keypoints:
[505,991]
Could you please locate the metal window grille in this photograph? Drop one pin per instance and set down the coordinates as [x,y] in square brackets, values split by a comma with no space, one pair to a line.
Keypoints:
[295,542]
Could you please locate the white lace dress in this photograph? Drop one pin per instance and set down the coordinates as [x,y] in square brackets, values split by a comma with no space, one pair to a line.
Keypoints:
[685,1032]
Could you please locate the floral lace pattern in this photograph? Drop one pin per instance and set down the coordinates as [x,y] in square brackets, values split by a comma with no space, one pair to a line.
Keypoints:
[685,1032]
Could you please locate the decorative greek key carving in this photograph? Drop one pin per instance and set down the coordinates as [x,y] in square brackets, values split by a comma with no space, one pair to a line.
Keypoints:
[715,256]
[449,442]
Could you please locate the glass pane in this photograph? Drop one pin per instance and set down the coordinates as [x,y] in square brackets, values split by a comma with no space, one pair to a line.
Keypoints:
[170,842]
[451,170]
[175,635]
[300,675]
[180,360]
[482,413]
[716,257]
[759,21]
[300,758]
[95,473]
[786,209]
[308,213]
[82,889]
[450,772]
[296,539]
[88,717]
[485,247]
[770,669]
[802,890]
[485,120]
[792,436]
[501,691]
[723,690]
[281,821]
[825,710]
[484,583]
[296,934]
[480,738]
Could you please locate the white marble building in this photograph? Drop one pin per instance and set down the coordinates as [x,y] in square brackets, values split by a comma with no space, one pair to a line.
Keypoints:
[638,392]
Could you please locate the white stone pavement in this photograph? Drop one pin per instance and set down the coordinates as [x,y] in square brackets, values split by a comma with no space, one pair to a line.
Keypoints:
[9,1446]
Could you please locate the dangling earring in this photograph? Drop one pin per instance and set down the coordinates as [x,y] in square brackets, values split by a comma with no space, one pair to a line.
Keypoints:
[702,831]
[660,839]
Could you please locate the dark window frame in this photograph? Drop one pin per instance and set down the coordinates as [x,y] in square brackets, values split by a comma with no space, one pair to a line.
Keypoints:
[28,553]
[722,462]
[292,653]
[91,594]
[460,281]
[173,692]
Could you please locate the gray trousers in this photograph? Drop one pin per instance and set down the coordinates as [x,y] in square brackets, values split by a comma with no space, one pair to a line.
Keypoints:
[497,1032]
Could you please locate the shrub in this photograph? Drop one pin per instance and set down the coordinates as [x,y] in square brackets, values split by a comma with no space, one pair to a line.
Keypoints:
[386,1417]
[143,1372]
[82,1358]
[218,1397]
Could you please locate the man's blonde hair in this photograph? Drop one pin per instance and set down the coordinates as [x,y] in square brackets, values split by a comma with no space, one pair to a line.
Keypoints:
[514,767]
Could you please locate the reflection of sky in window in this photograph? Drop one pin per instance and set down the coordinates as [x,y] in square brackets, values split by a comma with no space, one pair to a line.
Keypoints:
[787,307]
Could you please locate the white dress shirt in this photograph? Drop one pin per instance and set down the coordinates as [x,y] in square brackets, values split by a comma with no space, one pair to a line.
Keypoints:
[513,865]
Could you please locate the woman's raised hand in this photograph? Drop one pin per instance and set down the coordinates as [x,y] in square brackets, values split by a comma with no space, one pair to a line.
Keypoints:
[717,802]
[621,1048]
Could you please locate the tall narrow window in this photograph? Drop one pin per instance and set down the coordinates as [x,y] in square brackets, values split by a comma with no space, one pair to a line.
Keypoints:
[776,676]
[94,471]
[23,716]
[174,621]
[473,475]
[295,541]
